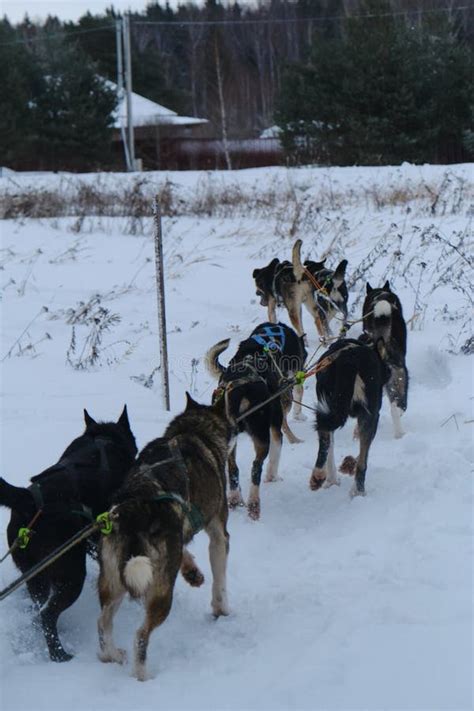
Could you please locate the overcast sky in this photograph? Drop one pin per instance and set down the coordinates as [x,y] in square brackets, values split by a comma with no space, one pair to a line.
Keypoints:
[15,10]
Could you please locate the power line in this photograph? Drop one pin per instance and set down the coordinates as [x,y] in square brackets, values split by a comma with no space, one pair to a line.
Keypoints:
[64,34]
[273,21]
[295,20]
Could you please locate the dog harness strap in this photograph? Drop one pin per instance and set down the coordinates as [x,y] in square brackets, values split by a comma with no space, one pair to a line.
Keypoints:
[272,337]
[192,512]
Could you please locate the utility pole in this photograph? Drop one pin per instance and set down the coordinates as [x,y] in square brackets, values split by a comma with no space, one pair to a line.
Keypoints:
[128,88]
[160,293]
[119,47]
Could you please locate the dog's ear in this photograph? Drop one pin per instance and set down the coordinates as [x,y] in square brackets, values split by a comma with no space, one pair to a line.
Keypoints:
[191,404]
[381,349]
[88,419]
[386,285]
[368,288]
[255,273]
[338,276]
[123,419]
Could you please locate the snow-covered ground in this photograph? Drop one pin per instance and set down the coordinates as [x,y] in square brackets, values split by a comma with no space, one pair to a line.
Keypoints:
[336,603]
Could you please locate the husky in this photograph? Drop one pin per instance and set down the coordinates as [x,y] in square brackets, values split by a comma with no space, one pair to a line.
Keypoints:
[349,384]
[272,354]
[287,283]
[68,496]
[176,488]
[383,318]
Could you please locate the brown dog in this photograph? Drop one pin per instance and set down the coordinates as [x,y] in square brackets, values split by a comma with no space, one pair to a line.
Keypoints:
[176,488]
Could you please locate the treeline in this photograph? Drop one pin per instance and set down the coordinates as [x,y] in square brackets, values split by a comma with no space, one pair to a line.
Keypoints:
[347,80]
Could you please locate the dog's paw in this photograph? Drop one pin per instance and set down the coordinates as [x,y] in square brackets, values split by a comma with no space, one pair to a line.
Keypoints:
[356,492]
[113,656]
[300,417]
[253,508]
[348,465]
[317,479]
[140,673]
[235,499]
[398,434]
[293,439]
[336,481]
[220,610]
[269,478]
[193,576]
[59,655]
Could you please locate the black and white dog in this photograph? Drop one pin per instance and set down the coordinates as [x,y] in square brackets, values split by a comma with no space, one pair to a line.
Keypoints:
[272,353]
[349,384]
[383,318]
[68,496]
[287,283]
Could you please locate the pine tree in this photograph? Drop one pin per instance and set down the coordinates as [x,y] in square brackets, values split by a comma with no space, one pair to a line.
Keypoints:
[74,113]
[384,92]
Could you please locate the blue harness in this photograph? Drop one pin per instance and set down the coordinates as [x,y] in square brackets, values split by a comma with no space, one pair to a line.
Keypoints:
[272,337]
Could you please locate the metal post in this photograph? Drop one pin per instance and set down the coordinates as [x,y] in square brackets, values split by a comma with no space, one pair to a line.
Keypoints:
[128,88]
[118,44]
[160,292]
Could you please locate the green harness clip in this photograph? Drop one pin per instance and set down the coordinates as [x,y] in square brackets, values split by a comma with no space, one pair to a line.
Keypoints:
[24,536]
[105,524]
[300,377]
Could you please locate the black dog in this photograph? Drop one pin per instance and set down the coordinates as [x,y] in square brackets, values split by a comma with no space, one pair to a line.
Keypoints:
[271,354]
[349,384]
[286,283]
[69,495]
[383,318]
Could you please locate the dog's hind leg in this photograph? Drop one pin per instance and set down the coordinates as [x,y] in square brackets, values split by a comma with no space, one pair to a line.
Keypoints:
[190,571]
[332,477]
[294,312]
[319,473]
[261,452]
[367,430]
[64,594]
[275,452]
[272,309]
[111,592]
[218,552]
[298,413]
[235,496]
[158,604]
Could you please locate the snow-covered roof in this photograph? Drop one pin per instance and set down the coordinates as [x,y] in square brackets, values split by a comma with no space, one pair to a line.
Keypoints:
[148,113]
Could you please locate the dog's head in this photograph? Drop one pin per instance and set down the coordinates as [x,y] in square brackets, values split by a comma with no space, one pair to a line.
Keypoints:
[119,432]
[378,294]
[334,284]
[264,281]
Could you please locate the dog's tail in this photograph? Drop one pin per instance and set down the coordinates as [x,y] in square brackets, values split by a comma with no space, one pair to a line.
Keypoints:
[382,321]
[138,575]
[298,266]
[213,366]
[16,498]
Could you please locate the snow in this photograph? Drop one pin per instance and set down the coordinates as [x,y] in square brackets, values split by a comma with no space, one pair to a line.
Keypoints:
[336,603]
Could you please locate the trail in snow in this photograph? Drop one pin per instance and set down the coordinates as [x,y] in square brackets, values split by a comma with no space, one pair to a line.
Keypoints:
[336,603]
